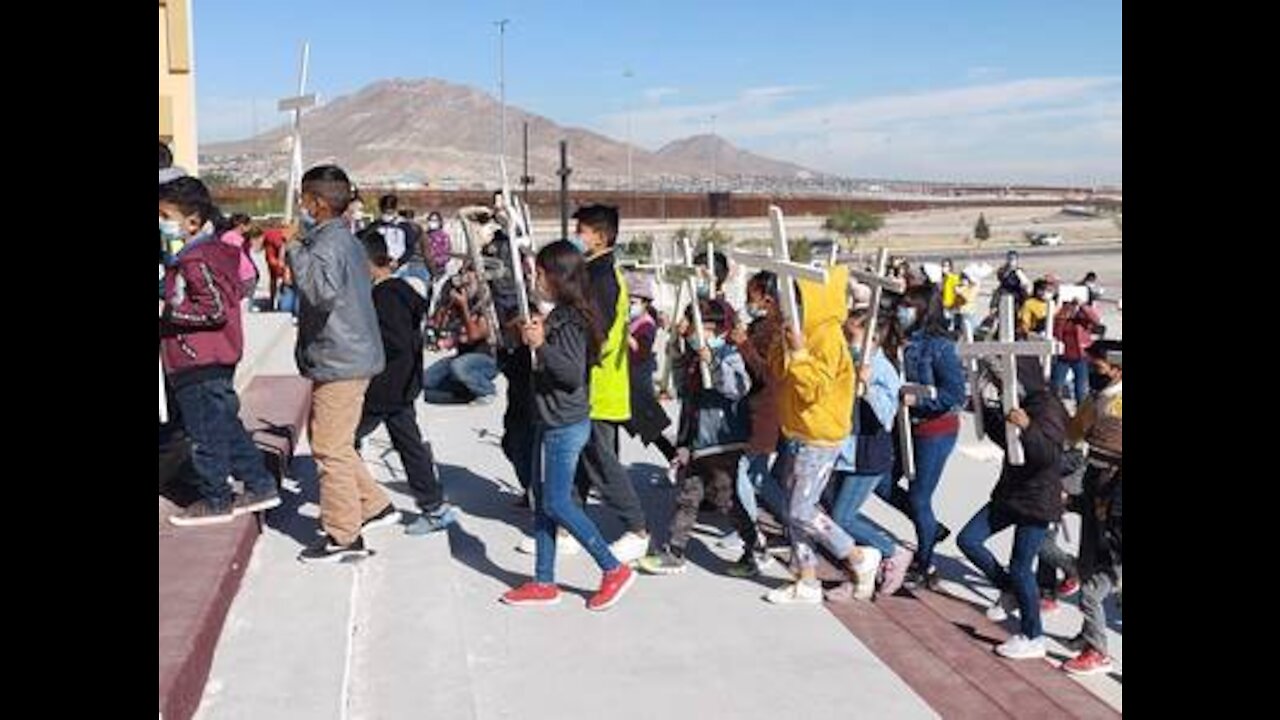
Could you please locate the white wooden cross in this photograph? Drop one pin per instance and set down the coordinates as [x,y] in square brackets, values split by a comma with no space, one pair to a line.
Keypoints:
[1007,351]
[296,104]
[686,274]
[779,263]
[906,444]
[469,218]
[519,234]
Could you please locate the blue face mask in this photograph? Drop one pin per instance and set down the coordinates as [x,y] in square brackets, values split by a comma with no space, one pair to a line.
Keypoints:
[906,316]
[579,243]
[856,352]
[715,343]
[170,229]
[756,312]
[636,311]
[704,290]
[307,219]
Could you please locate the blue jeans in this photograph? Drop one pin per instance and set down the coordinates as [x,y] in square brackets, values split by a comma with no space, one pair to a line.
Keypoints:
[452,379]
[1020,578]
[287,300]
[931,455]
[552,477]
[220,446]
[853,492]
[1079,372]
[754,477]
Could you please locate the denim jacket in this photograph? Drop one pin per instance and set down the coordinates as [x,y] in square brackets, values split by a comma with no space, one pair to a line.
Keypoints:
[932,360]
[717,420]
[881,398]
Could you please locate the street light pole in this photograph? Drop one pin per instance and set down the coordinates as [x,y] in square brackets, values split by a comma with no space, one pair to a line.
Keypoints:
[715,154]
[631,178]
[502,85]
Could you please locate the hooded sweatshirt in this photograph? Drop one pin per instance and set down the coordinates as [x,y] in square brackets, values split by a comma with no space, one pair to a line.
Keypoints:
[815,401]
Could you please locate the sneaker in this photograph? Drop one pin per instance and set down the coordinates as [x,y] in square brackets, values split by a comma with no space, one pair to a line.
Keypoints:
[751,564]
[200,513]
[944,532]
[565,544]
[668,561]
[613,586]
[1069,587]
[532,594]
[629,548]
[1019,647]
[429,522]
[796,593]
[1005,604]
[1048,606]
[917,579]
[252,502]
[895,570]
[730,539]
[864,574]
[1089,662]
[484,400]
[386,517]
[328,550]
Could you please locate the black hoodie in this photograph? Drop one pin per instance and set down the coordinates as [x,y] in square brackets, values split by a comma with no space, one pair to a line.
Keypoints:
[400,312]
[1032,492]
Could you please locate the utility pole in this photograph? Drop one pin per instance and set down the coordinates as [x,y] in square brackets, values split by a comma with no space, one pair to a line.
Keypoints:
[715,154]
[564,172]
[526,179]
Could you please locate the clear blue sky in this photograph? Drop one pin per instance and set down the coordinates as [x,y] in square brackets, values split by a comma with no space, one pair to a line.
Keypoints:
[973,89]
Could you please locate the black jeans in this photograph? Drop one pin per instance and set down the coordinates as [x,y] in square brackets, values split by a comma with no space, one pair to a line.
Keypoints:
[714,477]
[220,446]
[415,453]
[599,467]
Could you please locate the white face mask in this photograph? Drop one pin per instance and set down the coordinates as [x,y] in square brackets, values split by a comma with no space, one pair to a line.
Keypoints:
[545,307]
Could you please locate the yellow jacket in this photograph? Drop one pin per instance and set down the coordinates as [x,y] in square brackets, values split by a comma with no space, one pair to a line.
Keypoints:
[815,401]
[949,282]
[1032,315]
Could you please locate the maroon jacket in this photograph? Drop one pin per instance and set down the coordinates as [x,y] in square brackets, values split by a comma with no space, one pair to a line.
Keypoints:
[201,324]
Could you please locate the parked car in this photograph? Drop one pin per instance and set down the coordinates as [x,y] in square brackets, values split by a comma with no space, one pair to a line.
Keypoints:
[1043,238]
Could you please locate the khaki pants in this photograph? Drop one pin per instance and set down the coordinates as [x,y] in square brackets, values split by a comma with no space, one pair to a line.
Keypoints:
[348,493]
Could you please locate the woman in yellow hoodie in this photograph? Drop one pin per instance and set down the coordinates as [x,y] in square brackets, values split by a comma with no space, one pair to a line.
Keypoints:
[815,406]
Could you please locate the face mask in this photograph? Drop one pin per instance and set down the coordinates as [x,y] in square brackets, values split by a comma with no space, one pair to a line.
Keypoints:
[1098,381]
[545,307]
[906,316]
[756,312]
[715,343]
[433,225]
[695,342]
[704,290]
[307,219]
[170,229]
[856,352]
[636,311]
[579,243]
[1046,296]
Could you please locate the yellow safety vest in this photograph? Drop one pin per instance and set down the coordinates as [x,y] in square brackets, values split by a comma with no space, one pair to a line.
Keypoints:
[610,378]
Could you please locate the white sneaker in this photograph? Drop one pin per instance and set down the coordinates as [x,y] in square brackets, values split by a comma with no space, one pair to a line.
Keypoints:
[730,540]
[629,548]
[797,593]
[865,574]
[1019,647]
[1006,604]
[565,545]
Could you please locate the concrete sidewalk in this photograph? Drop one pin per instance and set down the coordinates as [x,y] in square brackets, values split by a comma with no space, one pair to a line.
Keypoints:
[416,630]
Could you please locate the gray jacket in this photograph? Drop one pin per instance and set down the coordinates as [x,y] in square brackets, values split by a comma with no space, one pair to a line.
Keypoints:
[337,325]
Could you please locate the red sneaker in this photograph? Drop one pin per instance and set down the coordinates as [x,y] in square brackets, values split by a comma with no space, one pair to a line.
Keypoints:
[532,593]
[1089,662]
[1069,587]
[613,585]
[1048,605]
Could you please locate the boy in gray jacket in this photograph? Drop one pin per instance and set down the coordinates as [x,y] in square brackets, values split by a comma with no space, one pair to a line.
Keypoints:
[339,349]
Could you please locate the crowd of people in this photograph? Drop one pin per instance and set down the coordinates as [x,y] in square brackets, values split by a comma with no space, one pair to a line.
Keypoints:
[774,423]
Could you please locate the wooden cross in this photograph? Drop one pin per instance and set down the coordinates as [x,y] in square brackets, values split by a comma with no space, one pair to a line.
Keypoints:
[686,275]
[780,264]
[296,105]
[905,442]
[1007,351]
[468,217]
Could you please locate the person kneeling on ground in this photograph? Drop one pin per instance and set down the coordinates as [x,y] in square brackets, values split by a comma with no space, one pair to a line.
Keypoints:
[469,375]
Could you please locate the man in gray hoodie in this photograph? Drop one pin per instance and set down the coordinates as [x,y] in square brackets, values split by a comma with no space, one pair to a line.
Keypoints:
[339,349]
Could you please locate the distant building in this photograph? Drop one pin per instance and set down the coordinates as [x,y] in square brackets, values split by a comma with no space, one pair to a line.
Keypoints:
[178,83]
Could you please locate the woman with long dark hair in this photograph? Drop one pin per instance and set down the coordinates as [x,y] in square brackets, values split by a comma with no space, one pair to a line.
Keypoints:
[565,345]
[928,358]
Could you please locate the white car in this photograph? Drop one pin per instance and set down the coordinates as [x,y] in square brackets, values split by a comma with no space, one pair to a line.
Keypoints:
[1041,238]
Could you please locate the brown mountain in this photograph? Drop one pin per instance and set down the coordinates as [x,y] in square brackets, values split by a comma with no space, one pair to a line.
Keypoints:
[431,130]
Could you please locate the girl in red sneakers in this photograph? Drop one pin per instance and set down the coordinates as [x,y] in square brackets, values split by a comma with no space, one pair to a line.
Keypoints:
[565,345]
